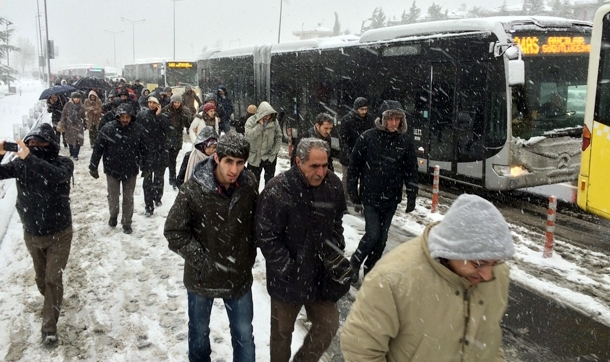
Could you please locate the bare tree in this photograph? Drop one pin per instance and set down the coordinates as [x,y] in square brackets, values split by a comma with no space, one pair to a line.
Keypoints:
[26,57]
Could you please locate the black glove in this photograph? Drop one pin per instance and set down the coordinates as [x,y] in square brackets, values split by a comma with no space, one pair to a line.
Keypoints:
[145,173]
[410,204]
[94,174]
[359,208]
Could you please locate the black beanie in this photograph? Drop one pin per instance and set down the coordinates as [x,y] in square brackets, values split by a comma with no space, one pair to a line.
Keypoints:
[360,102]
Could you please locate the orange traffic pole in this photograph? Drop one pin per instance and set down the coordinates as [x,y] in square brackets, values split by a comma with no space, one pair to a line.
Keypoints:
[550,228]
[437,171]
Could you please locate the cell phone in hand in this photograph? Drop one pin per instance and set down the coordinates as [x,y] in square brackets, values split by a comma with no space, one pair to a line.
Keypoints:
[11,147]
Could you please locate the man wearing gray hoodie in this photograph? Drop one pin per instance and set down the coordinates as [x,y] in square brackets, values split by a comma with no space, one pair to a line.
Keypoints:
[264,133]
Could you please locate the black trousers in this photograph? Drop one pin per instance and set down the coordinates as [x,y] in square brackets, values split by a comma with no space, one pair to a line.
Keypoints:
[153,187]
[269,168]
[173,154]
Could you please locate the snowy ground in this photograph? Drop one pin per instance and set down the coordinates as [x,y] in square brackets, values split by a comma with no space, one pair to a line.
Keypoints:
[124,299]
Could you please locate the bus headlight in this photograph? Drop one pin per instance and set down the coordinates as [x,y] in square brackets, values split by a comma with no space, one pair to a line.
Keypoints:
[513,170]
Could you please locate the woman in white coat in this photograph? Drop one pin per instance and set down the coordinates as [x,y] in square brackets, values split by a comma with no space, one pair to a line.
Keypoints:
[202,119]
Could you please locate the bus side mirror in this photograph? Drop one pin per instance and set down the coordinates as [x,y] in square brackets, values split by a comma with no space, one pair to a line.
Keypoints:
[516,66]
[516,72]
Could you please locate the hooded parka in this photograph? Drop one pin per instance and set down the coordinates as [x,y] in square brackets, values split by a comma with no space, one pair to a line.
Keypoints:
[293,221]
[93,110]
[156,127]
[412,308]
[179,119]
[43,185]
[73,119]
[265,140]
[214,233]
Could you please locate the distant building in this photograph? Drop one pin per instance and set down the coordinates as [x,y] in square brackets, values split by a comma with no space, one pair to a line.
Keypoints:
[585,9]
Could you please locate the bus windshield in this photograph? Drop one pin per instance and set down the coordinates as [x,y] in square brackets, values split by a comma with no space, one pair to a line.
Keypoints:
[552,101]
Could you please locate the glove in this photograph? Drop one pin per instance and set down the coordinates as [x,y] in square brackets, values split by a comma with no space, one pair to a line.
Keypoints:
[94,174]
[358,208]
[145,173]
[410,204]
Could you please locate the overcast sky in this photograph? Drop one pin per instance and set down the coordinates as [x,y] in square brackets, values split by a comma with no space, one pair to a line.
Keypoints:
[78,26]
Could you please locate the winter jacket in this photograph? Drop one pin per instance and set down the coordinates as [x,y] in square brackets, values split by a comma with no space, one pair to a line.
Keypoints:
[191,159]
[179,119]
[412,308]
[56,108]
[188,99]
[43,186]
[293,221]
[93,110]
[214,233]
[226,104]
[143,100]
[312,133]
[73,119]
[122,147]
[240,124]
[352,126]
[382,161]
[211,97]
[265,140]
[200,121]
[155,131]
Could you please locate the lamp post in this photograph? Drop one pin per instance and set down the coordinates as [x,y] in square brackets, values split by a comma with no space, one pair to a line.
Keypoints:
[46,25]
[279,31]
[133,36]
[8,55]
[114,33]
[175,27]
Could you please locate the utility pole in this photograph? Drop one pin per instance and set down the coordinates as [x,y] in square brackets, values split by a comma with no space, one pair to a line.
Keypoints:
[46,22]
[175,28]
[133,36]
[114,33]
[279,31]
[40,38]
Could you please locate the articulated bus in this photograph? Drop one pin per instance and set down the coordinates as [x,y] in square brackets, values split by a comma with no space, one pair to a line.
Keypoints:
[495,102]
[593,181]
[162,73]
[83,70]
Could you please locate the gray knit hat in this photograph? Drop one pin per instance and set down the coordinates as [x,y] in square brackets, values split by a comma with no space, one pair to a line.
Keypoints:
[472,229]
[176,98]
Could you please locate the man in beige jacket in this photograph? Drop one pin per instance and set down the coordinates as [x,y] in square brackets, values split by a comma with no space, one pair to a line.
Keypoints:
[439,297]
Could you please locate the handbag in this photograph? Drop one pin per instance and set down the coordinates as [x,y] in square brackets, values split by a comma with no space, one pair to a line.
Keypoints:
[337,276]
[60,127]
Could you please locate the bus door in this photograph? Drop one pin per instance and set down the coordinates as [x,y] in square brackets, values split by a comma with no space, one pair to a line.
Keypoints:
[441,104]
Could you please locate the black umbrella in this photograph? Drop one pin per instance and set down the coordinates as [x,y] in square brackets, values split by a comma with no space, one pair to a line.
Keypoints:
[90,83]
[57,89]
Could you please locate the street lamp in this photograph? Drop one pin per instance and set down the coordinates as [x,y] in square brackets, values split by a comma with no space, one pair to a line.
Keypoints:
[175,27]
[133,36]
[279,31]
[114,33]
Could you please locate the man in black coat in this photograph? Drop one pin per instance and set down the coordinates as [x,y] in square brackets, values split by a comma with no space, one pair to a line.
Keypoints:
[222,97]
[382,161]
[43,203]
[156,125]
[353,124]
[55,105]
[298,212]
[122,144]
[321,130]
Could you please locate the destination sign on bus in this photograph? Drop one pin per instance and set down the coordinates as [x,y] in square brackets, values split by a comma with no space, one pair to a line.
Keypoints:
[553,44]
[179,65]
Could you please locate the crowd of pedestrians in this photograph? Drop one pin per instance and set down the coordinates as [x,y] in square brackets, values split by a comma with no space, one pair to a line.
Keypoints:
[412,302]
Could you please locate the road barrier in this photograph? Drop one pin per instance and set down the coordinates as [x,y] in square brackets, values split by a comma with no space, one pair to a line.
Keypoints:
[550,227]
[434,207]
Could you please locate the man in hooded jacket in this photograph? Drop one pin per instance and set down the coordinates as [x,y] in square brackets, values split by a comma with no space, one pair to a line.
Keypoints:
[211,225]
[122,144]
[179,117]
[43,203]
[382,161]
[222,97]
[439,297]
[264,133]
[189,97]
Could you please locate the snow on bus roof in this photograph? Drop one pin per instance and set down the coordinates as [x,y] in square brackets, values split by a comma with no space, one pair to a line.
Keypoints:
[158,60]
[318,43]
[234,52]
[499,25]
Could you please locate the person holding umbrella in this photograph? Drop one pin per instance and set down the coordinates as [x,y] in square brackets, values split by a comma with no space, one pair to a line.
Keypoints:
[73,122]
[55,105]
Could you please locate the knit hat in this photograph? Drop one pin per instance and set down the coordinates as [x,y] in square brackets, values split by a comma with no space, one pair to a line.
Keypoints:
[472,229]
[251,109]
[75,95]
[233,144]
[360,102]
[153,99]
[176,98]
[208,107]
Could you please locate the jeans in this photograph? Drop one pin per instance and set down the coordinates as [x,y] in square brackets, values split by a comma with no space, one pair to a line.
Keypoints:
[378,220]
[74,150]
[240,312]
[50,255]
[324,318]
[269,168]
[114,193]
[153,187]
